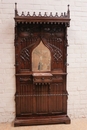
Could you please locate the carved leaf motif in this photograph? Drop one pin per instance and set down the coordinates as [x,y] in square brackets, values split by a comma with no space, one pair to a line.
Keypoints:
[53,30]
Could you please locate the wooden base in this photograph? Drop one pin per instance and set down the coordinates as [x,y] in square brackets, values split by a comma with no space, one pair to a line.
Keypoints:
[43,120]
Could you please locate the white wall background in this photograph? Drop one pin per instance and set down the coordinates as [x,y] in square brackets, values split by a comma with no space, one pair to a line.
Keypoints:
[77,53]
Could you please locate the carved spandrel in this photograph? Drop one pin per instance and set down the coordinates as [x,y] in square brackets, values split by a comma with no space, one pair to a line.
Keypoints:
[25,53]
[57,53]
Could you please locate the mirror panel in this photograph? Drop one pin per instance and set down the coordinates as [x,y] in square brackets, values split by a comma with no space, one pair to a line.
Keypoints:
[41,58]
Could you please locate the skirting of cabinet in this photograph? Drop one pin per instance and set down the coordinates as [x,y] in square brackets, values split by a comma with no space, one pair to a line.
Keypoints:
[62,119]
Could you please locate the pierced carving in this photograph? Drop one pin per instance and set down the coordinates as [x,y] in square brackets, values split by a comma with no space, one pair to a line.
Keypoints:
[40,19]
[25,55]
[53,36]
[57,53]
[45,15]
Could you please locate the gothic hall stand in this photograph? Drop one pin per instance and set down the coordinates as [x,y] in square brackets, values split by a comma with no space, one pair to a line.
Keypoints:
[41,68]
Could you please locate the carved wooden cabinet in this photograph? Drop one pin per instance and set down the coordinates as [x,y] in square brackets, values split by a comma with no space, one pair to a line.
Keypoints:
[41,68]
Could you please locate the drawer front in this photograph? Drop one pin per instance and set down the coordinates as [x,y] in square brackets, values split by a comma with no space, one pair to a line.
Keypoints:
[42,79]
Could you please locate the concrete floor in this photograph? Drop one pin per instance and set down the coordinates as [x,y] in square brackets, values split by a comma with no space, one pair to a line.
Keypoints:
[76,124]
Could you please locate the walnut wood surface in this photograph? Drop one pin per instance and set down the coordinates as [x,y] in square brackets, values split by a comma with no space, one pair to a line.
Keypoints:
[41,99]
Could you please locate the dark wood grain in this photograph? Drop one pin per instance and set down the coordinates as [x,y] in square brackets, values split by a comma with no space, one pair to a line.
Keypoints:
[41,97]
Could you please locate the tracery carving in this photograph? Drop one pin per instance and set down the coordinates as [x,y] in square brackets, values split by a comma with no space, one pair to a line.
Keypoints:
[25,53]
[57,53]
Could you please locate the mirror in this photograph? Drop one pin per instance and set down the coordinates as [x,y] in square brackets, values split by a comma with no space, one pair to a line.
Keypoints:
[41,58]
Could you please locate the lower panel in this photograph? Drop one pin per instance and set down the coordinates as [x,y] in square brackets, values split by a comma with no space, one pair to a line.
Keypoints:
[42,120]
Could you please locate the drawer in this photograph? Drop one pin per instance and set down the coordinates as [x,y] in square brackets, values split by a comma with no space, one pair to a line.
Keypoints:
[42,78]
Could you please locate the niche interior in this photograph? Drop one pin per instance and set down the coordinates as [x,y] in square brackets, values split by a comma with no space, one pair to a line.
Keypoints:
[41,68]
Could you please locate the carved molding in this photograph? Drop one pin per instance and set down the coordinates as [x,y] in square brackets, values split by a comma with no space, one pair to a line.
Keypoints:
[25,79]
[39,19]
[63,15]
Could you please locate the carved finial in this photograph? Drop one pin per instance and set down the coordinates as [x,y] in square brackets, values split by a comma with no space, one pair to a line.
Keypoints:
[68,11]
[15,6]
[39,14]
[61,14]
[51,14]
[65,14]
[16,12]
[56,14]
[22,14]
[45,14]
[28,14]
[34,14]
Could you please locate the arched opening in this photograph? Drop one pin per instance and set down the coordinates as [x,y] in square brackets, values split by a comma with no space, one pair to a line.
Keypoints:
[41,58]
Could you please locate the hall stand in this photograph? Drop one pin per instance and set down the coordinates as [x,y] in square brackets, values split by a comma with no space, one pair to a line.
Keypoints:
[41,90]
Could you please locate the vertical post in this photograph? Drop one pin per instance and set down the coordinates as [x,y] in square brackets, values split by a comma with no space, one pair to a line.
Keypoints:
[68,12]
[16,12]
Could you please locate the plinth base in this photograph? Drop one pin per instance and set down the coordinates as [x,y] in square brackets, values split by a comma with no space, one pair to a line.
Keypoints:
[42,120]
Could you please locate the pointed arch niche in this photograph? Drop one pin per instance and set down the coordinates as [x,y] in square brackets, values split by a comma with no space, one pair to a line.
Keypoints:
[41,58]
[41,68]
